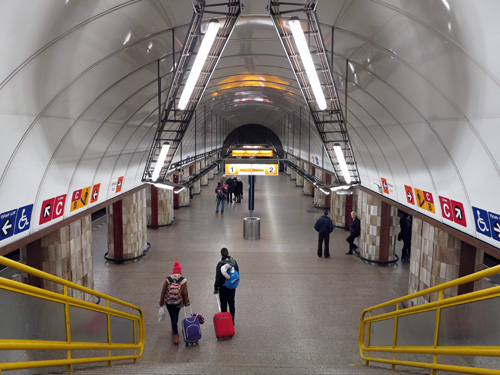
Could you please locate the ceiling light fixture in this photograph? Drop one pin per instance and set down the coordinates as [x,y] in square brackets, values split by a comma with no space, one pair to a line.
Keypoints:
[305,55]
[343,165]
[178,191]
[325,191]
[160,161]
[201,57]
[162,186]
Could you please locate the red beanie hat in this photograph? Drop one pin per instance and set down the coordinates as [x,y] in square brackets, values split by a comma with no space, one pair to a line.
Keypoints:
[177,268]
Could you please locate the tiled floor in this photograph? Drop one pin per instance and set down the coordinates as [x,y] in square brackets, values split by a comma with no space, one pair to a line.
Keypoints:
[293,309]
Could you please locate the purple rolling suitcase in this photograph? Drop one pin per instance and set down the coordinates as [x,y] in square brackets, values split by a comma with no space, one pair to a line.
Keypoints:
[191,330]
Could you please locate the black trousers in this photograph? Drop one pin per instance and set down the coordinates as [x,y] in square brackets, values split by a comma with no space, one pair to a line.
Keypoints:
[227,298]
[323,237]
[173,311]
[405,252]
[350,239]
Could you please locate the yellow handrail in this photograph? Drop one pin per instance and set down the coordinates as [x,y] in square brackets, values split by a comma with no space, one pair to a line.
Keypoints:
[369,317]
[135,318]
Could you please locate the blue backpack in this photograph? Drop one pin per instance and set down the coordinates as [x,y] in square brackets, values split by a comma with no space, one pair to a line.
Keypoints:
[233,280]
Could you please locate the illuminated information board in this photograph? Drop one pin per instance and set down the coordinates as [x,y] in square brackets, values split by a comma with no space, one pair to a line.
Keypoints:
[252,169]
[252,153]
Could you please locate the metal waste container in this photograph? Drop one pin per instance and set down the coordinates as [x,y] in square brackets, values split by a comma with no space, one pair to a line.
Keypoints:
[251,228]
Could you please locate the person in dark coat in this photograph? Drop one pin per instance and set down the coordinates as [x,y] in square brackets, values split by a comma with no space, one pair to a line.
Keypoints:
[354,230]
[405,235]
[226,295]
[230,188]
[324,227]
[238,190]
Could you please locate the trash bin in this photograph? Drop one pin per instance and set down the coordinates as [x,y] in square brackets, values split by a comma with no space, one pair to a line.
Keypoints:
[251,228]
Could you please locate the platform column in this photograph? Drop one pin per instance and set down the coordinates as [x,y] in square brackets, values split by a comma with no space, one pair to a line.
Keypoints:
[204,178]
[379,227]
[184,200]
[319,197]
[160,202]
[308,188]
[299,182]
[438,257]
[66,253]
[127,226]
[197,184]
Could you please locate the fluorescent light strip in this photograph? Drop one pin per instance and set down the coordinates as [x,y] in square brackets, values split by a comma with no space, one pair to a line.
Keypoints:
[305,55]
[201,57]
[178,191]
[325,191]
[162,186]
[343,165]
[160,161]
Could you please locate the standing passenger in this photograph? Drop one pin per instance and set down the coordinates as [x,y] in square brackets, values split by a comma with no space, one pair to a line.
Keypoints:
[354,229]
[324,227]
[238,190]
[405,235]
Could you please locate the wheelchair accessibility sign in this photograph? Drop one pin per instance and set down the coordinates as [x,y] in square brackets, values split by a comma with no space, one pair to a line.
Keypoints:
[15,221]
[487,223]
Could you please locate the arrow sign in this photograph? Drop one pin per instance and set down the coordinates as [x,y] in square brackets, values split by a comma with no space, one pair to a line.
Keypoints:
[409,195]
[46,212]
[459,213]
[95,193]
[7,220]
[7,225]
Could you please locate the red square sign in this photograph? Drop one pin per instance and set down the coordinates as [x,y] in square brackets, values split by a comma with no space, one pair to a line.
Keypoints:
[458,213]
[46,213]
[409,195]
[446,208]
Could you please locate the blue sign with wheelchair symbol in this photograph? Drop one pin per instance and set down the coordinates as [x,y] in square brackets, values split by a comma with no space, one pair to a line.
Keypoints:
[482,221]
[23,218]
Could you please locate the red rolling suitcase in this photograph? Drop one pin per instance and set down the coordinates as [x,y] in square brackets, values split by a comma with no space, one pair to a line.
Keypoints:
[223,323]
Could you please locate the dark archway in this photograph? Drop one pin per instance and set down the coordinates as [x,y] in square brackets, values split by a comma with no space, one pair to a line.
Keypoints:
[253,134]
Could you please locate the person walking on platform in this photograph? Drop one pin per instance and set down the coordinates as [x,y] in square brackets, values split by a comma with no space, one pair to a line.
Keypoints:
[405,235]
[220,195]
[174,295]
[226,295]
[238,190]
[354,229]
[324,227]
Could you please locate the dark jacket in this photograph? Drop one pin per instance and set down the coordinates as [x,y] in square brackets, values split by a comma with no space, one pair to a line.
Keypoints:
[219,277]
[239,187]
[355,227]
[405,225]
[323,225]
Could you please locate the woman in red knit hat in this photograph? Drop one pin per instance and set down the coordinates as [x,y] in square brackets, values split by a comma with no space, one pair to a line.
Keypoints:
[175,295]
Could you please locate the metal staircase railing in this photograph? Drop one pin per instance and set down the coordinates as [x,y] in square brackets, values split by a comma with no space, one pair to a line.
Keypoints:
[76,331]
[427,335]
[330,123]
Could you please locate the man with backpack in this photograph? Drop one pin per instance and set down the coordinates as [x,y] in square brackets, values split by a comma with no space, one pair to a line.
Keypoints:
[220,193]
[226,287]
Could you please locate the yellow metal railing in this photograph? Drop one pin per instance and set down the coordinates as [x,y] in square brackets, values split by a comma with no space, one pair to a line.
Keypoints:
[115,321]
[376,322]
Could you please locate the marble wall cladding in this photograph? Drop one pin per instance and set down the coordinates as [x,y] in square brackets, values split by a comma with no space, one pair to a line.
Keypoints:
[308,188]
[435,259]
[134,224]
[197,184]
[337,208]
[204,178]
[369,210]
[67,253]
[184,199]
[319,196]
[165,206]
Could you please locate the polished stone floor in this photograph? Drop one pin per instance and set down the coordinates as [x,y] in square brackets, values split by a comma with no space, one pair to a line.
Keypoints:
[295,313]
[292,308]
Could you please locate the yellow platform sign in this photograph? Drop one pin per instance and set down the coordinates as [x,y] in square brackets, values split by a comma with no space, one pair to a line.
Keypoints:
[252,169]
[425,200]
[252,153]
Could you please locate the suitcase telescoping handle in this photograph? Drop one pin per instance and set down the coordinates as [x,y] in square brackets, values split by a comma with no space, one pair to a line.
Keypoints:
[218,301]
[190,310]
